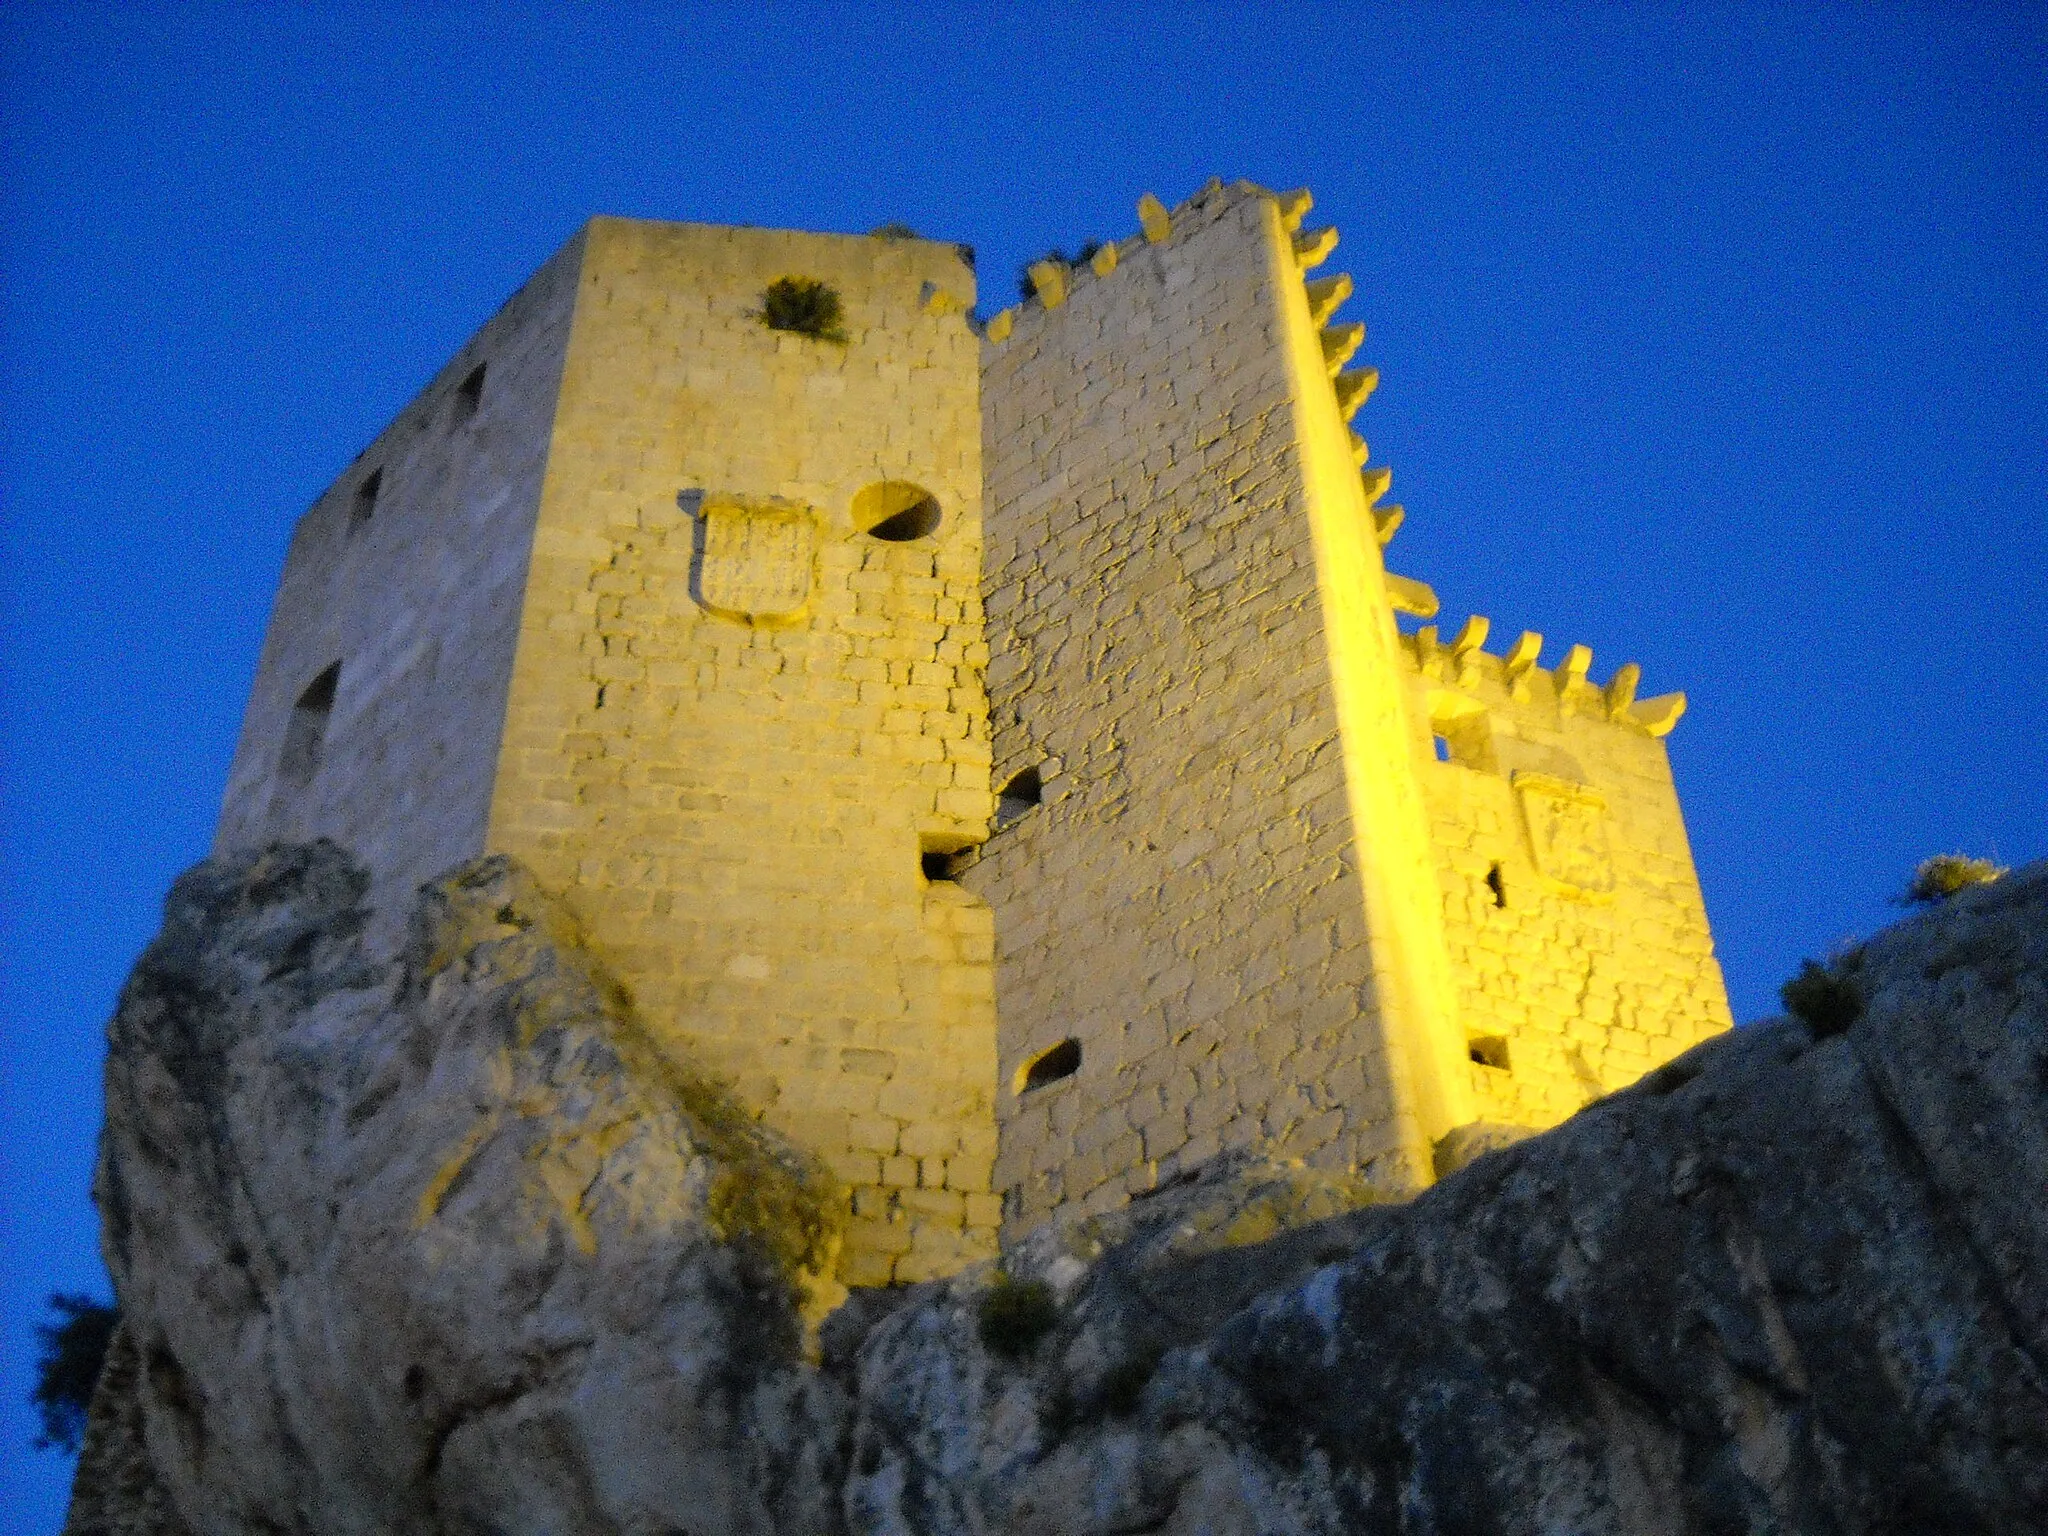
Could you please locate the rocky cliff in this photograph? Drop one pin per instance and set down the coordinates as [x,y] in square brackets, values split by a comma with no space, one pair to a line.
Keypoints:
[444,1245]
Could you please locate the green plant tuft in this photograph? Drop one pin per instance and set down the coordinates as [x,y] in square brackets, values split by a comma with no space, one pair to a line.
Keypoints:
[1945,874]
[73,1352]
[1825,1002]
[893,231]
[1015,1314]
[806,307]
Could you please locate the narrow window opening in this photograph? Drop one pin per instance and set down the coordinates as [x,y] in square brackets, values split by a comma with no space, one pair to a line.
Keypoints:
[1460,732]
[1063,1060]
[306,732]
[469,394]
[1018,796]
[366,499]
[1490,1051]
[895,511]
[1495,884]
[945,856]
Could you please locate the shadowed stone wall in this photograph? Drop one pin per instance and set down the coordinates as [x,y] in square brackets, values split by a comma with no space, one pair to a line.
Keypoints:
[1192,646]
[415,592]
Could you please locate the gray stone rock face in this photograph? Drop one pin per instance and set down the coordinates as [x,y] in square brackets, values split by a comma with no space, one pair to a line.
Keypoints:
[443,1245]
[447,1249]
[116,1490]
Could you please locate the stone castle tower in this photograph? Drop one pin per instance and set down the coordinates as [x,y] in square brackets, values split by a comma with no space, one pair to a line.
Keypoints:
[991,751]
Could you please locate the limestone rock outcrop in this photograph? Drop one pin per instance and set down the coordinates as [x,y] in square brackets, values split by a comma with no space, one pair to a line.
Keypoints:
[443,1247]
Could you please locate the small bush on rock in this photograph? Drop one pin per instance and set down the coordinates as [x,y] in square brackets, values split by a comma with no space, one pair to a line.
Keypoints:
[1945,874]
[1015,1314]
[1826,1003]
[805,306]
[73,1351]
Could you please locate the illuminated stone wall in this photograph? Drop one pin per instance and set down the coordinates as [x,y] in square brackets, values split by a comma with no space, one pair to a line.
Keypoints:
[622,617]
[737,719]
[1193,649]
[1253,907]
[1574,919]
[686,611]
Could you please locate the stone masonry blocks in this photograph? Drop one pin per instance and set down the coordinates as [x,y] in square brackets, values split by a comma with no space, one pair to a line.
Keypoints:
[734,634]
[1154,626]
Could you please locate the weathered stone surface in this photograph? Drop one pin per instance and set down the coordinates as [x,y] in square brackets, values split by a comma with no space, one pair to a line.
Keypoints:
[1782,1285]
[439,1250]
[1250,892]
[445,1245]
[116,1490]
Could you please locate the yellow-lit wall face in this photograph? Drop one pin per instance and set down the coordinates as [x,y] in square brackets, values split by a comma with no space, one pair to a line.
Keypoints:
[1185,903]
[737,722]
[1576,930]
[1415,1004]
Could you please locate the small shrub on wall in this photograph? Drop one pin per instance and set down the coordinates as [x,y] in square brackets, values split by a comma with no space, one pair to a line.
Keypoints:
[806,307]
[73,1350]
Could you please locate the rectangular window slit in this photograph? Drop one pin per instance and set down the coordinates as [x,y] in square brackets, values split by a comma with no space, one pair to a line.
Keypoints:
[366,499]
[305,734]
[469,394]
[1490,1051]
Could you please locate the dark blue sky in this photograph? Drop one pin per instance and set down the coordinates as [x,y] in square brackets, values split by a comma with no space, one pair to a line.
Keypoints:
[1711,337]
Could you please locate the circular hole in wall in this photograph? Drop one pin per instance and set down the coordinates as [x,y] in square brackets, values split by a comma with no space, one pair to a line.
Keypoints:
[895,511]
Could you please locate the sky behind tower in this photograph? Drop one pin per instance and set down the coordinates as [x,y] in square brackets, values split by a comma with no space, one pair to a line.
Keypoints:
[1711,337]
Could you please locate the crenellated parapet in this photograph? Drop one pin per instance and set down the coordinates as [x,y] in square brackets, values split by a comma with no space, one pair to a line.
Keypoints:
[1465,663]
[1055,283]
[1352,387]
